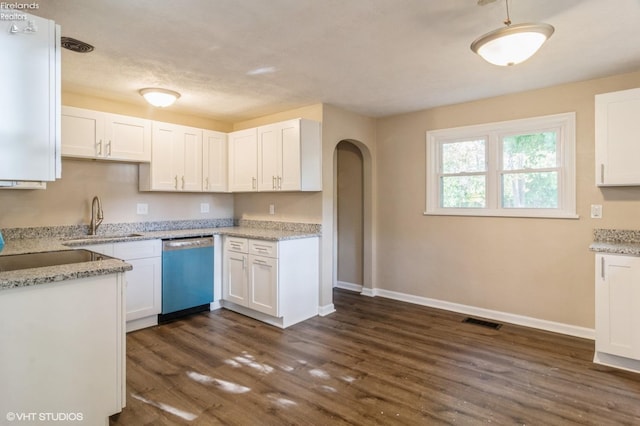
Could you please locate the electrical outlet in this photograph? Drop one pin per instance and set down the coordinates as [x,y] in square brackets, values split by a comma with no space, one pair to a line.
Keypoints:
[204,207]
[272,209]
[142,208]
[596,211]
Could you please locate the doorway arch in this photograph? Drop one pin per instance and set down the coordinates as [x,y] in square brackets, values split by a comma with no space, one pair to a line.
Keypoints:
[362,250]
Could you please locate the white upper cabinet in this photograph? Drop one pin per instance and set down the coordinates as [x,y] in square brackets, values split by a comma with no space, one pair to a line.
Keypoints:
[30,99]
[100,135]
[284,156]
[176,159]
[290,156]
[617,118]
[243,160]
[214,161]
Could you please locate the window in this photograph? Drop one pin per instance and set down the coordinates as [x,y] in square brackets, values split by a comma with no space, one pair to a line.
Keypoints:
[513,168]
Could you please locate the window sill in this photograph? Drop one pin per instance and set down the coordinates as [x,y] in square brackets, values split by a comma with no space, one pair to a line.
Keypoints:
[528,215]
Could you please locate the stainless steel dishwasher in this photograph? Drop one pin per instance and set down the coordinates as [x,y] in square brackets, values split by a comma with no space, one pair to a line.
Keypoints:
[187,277]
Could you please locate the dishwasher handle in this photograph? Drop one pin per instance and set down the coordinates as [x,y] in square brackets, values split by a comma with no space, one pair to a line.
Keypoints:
[187,243]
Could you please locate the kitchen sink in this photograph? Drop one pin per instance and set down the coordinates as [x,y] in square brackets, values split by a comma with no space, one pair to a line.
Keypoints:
[50,258]
[88,239]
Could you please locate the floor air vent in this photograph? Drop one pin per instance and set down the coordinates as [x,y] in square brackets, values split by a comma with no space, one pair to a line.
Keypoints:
[483,323]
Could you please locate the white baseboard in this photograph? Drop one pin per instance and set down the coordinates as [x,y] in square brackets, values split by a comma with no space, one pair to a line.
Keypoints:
[325,310]
[215,305]
[349,286]
[556,327]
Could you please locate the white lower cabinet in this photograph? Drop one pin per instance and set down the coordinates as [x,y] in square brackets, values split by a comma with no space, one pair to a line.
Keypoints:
[68,353]
[273,281]
[617,311]
[143,283]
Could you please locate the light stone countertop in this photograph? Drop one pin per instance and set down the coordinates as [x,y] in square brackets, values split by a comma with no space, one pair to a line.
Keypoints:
[35,276]
[616,241]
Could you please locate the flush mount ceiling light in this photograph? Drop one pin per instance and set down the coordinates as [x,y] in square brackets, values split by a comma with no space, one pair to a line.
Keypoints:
[512,44]
[159,97]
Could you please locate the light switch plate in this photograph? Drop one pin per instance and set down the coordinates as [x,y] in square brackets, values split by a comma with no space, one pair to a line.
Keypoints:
[596,211]
[204,207]
[142,208]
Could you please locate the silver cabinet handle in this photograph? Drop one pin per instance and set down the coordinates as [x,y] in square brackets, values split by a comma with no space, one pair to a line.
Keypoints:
[244,262]
[602,173]
[253,183]
[602,267]
[273,182]
[176,182]
[109,149]
[206,183]
[182,181]
[279,182]
[100,147]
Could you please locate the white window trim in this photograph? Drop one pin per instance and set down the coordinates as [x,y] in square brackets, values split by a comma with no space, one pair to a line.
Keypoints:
[566,123]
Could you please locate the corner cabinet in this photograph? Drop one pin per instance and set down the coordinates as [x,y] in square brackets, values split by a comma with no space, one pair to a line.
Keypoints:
[284,156]
[617,138]
[176,159]
[617,315]
[30,100]
[276,282]
[103,136]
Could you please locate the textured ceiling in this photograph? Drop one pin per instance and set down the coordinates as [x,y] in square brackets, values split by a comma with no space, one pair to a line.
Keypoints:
[238,59]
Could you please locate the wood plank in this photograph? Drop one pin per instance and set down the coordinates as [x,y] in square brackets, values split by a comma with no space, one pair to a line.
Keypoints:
[373,361]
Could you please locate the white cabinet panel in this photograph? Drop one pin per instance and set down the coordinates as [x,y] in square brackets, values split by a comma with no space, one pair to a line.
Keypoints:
[617,302]
[176,159]
[618,138]
[30,100]
[104,136]
[214,161]
[243,160]
[263,279]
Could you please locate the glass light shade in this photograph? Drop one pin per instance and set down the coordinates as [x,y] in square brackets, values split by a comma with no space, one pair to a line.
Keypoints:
[512,44]
[159,97]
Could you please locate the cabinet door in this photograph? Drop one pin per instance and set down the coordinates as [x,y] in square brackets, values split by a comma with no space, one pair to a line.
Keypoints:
[144,288]
[127,138]
[289,156]
[191,167]
[269,147]
[263,285]
[617,301]
[29,103]
[235,278]
[618,138]
[82,133]
[243,160]
[164,175]
[214,161]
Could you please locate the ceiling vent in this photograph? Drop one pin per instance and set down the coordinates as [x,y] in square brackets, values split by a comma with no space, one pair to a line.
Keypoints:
[75,45]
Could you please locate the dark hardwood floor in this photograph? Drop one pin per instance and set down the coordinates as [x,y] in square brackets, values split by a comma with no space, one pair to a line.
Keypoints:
[374,361]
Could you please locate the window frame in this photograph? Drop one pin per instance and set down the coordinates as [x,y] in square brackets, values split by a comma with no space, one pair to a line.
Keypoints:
[494,133]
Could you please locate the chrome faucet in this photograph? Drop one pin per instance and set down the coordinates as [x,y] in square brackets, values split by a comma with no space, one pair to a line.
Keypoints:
[96,215]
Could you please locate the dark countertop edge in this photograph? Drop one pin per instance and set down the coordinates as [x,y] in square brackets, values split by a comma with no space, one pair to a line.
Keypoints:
[51,274]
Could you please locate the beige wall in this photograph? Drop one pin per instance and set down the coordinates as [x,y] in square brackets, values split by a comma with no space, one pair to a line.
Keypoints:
[538,268]
[350,213]
[67,201]
[339,125]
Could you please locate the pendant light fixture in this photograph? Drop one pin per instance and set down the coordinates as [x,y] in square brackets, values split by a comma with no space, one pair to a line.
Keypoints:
[512,44]
[159,97]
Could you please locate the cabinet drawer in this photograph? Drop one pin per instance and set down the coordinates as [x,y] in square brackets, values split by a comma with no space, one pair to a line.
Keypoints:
[263,248]
[236,244]
[137,249]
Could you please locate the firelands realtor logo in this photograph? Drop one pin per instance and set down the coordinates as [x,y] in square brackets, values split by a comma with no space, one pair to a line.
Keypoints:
[11,11]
